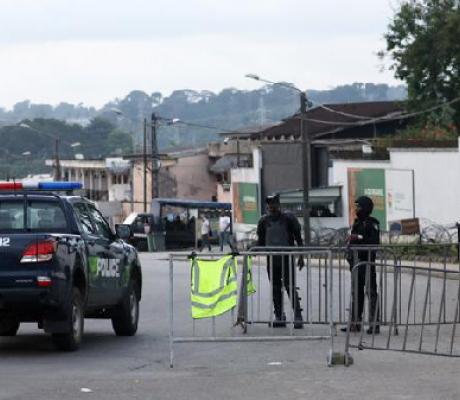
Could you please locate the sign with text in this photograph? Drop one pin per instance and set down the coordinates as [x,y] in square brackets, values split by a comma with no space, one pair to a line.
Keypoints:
[245,203]
[391,190]
[367,182]
[410,226]
[399,194]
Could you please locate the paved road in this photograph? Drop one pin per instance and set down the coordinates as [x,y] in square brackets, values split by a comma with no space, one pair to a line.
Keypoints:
[138,367]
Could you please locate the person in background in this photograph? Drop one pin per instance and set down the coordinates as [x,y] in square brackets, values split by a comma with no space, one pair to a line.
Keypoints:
[224,230]
[205,229]
[364,231]
[279,229]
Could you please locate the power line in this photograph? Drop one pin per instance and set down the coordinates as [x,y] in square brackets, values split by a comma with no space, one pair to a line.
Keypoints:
[390,117]
[41,132]
[365,119]
[344,113]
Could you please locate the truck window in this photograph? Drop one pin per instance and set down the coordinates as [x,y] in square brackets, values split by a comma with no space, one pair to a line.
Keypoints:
[102,227]
[41,216]
[11,215]
[45,216]
[84,218]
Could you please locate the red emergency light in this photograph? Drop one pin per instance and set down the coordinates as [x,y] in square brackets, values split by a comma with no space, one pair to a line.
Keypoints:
[10,185]
[33,185]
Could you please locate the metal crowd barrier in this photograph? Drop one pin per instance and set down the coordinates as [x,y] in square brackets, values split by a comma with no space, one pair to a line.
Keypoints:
[323,286]
[424,305]
[253,319]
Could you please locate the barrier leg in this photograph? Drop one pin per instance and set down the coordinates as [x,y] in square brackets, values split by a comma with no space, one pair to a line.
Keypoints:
[171,313]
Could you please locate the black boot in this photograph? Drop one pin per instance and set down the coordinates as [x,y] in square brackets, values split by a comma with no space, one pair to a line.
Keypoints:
[373,330]
[280,321]
[353,328]
[298,320]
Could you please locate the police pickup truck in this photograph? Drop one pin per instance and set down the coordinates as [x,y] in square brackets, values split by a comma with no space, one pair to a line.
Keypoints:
[60,262]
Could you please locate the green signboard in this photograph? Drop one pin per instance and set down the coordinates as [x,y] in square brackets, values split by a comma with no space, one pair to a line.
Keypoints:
[367,182]
[246,203]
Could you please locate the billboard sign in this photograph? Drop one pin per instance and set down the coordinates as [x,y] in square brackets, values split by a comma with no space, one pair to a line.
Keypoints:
[245,203]
[391,190]
[367,182]
[400,194]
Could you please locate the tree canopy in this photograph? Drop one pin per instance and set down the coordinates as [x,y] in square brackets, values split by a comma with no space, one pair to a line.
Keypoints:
[423,41]
[26,145]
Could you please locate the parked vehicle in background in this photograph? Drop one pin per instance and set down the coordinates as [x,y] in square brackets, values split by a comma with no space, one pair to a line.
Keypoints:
[60,263]
[173,223]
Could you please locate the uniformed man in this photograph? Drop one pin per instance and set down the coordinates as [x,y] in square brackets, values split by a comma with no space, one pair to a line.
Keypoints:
[364,231]
[279,229]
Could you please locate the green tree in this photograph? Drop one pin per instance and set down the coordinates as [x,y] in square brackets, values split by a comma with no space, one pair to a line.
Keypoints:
[423,43]
[119,142]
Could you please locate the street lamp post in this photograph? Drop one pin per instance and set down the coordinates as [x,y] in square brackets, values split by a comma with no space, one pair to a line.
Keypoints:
[154,181]
[306,153]
[57,175]
[155,168]
[145,164]
[57,164]
[306,168]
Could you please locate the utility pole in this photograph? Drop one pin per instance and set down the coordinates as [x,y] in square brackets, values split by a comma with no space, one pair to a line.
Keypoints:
[306,152]
[306,167]
[237,153]
[155,158]
[145,164]
[57,174]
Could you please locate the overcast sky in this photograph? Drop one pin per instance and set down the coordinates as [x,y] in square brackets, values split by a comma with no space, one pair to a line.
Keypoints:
[92,51]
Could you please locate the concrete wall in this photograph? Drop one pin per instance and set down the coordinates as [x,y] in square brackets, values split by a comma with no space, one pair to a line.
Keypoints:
[185,177]
[167,184]
[193,179]
[282,167]
[437,181]
[223,196]
[120,192]
[338,176]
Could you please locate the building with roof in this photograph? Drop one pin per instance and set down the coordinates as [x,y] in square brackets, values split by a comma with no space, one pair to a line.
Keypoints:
[330,127]
[413,181]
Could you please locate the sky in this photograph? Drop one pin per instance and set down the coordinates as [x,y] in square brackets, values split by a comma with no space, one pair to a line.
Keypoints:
[93,51]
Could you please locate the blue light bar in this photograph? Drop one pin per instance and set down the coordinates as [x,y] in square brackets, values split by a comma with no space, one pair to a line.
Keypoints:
[60,185]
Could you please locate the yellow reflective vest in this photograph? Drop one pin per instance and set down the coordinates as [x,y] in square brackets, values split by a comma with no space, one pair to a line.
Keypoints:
[214,286]
[250,285]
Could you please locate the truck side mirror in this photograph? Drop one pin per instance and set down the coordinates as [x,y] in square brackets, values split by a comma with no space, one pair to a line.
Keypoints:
[123,231]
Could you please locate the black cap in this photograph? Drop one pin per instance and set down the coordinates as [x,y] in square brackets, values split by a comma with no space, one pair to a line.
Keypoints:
[273,199]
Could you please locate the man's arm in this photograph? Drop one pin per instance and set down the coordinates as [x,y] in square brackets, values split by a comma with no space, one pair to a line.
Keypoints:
[296,230]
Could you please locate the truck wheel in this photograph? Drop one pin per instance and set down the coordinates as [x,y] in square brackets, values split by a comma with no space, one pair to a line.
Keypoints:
[8,327]
[75,318]
[126,315]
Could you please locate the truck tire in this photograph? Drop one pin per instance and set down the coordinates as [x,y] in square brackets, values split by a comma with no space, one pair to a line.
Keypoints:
[75,318]
[126,315]
[8,327]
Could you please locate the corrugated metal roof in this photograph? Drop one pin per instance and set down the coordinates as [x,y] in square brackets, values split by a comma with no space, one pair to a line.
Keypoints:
[336,117]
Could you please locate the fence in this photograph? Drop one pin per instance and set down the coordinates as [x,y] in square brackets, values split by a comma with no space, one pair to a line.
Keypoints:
[323,287]
[425,311]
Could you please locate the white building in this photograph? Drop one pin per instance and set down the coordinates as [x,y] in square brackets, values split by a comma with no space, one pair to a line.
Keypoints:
[418,182]
[106,181]
[412,182]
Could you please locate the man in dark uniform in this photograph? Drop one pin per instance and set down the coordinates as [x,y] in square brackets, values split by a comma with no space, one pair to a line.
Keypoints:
[364,231]
[278,229]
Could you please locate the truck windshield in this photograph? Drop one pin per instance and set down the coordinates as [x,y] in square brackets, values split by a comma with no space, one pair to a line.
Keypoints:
[41,216]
